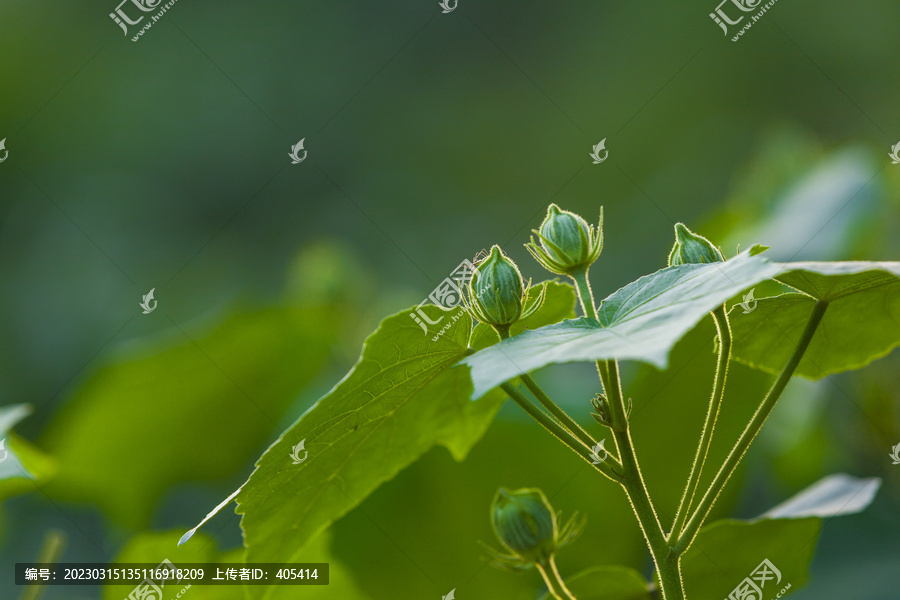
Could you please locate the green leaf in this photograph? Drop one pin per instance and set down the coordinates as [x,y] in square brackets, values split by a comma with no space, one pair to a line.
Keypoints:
[725,552]
[36,466]
[832,496]
[11,466]
[607,583]
[400,399]
[21,463]
[178,410]
[859,326]
[641,321]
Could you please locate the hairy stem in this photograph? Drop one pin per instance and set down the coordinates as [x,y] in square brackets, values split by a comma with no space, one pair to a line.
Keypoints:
[722,326]
[585,296]
[554,409]
[756,423]
[559,431]
[667,563]
[555,584]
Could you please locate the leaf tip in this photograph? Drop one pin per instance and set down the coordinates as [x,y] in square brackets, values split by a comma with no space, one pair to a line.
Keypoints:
[187,536]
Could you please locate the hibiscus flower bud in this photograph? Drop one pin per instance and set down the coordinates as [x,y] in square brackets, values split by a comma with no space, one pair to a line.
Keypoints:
[691,248]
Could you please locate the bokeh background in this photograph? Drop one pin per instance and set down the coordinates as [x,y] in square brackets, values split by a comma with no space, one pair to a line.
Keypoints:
[163,164]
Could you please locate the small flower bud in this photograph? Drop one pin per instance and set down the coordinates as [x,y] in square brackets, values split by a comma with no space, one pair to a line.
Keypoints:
[525,523]
[600,405]
[691,248]
[497,293]
[567,242]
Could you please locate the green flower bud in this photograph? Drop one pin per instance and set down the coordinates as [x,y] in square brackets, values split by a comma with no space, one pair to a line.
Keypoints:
[567,242]
[691,248]
[497,293]
[525,523]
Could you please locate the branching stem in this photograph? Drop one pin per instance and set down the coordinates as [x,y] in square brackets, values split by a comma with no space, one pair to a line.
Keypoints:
[667,564]
[724,330]
[759,418]
[559,431]
[554,409]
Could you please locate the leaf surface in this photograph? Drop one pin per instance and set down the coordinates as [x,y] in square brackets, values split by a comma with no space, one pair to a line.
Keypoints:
[861,324]
[727,552]
[642,321]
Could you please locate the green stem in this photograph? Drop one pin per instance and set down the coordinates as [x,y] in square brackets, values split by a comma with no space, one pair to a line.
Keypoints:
[554,409]
[722,326]
[667,563]
[559,431]
[555,584]
[50,553]
[756,423]
[585,296]
[558,412]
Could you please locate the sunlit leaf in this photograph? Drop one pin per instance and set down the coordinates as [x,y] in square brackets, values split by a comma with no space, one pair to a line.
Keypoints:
[641,321]
[859,326]
[727,552]
[400,399]
[21,463]
[832,496]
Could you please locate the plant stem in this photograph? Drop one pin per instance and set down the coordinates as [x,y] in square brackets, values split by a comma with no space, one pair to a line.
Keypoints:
[667,564]
[722,326]
[555,584]
[554,409]
[558,412]
[51,551]
[585,296]
[559,431]
[756,423]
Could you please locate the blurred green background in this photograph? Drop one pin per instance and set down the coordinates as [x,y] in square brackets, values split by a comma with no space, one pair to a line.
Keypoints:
[163,164]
